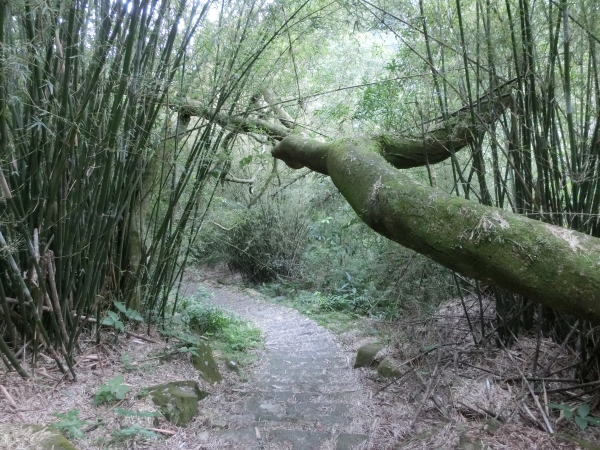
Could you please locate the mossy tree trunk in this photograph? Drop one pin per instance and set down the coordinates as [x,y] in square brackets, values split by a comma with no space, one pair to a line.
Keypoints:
[558,267]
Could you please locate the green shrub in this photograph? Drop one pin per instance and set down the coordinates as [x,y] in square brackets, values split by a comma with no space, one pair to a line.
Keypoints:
[353,269]
[268,242]
[581,416]
[111,391]
[202,318]
[70,423]
[311,240]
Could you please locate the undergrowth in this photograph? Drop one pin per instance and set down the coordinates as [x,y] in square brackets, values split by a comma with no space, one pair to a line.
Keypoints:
[315,251]
[231,338]
[312,304]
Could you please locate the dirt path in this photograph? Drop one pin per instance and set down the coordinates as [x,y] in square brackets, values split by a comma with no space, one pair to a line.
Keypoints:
[304,394]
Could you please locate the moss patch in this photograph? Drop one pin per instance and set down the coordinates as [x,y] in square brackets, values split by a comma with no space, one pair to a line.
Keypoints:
[177,401]
[32,437]
[205,363]
[366,354]
[387,370]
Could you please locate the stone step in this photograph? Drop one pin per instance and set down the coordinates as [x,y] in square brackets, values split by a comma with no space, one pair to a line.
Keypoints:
[313,357]
[287,398]
[303,413]
[306,369]
[298,349]
[292,377]
[298,439]
[302,397]
[328,360]
[311,387]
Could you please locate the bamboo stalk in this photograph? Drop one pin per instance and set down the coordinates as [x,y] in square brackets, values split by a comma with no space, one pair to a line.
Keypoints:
[4,348]
[8,397]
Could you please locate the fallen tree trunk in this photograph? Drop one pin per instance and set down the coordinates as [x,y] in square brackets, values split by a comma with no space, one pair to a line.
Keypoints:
[555,266]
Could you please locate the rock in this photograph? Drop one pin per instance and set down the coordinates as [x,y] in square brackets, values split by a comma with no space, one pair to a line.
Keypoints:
[34,437]
[218,423]
[203,437]
[232,365]
[279,298]
[177,401]
[366,354]
[205,363]
[387,370]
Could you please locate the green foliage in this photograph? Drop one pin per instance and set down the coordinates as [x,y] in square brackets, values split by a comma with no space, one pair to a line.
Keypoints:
[136,430]
[239,336]
[379,103]
[581,417]
[201,318]
[126,361]
[111,391]
[341,264]
[80,125]
[112,320]
[189,351]
[70,423]
[349,301]
[229,335]
[355,270]
[130,314]
[175,328]
[310,304]
[268,241]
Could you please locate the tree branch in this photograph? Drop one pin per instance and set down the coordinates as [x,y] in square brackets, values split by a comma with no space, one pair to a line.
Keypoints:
[236,123]
[281,114]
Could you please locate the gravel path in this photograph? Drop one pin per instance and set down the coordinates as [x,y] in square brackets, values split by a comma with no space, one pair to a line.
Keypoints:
[304,394]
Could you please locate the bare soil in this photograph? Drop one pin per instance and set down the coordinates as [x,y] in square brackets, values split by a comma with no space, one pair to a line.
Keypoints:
[302,393]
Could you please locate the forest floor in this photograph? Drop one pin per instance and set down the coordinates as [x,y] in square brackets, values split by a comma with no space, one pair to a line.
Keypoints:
[303,393]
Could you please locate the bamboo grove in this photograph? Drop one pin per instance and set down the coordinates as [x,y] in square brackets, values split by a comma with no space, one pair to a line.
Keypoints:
[101,195]
[83,85]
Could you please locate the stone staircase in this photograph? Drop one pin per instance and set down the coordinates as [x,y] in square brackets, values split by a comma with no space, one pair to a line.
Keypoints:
[305,395]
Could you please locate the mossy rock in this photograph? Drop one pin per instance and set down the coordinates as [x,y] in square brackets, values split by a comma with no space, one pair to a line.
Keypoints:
[205,363]
[232,365]
[34,437]
[387,370]
[177,401]
[366,354]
